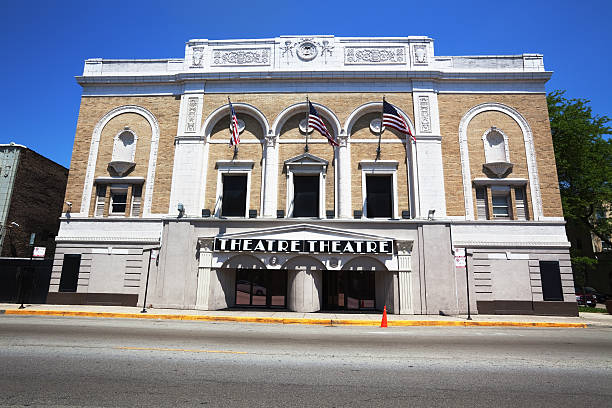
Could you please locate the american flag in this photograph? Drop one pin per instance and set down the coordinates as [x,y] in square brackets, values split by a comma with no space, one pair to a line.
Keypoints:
[393,119]
[316,122]
[235,138]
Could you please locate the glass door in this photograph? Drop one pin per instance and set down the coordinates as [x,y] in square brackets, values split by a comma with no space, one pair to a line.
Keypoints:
[349,290]
[261,288]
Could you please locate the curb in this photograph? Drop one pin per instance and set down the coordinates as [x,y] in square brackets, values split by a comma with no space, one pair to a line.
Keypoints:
[280,320]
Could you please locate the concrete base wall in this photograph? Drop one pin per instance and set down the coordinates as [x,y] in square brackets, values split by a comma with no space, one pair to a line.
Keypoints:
[499,279]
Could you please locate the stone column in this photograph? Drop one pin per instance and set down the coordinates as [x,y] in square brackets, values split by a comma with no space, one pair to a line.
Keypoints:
[204,266]
[270,178]
[404,250]
[343,182]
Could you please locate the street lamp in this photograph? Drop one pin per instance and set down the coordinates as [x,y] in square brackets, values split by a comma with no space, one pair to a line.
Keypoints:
[144,302]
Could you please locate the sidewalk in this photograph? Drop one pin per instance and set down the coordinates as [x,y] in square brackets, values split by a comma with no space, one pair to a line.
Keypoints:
[284,317]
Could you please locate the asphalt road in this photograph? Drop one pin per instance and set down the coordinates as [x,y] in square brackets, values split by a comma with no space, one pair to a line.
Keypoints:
[50,361]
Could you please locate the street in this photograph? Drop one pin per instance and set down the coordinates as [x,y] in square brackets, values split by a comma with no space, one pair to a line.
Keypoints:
[123,362]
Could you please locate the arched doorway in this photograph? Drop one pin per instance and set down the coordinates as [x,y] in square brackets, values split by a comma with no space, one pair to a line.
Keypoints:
[254,285]
[354,286]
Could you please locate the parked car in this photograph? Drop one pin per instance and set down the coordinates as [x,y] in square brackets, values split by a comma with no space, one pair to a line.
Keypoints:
[585,298]
[599,297]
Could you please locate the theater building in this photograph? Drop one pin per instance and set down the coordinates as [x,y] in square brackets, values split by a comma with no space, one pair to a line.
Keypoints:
[292,222]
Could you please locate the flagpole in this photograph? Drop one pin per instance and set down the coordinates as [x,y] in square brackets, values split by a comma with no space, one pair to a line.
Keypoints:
[307,120]
[382,113]
[232,127]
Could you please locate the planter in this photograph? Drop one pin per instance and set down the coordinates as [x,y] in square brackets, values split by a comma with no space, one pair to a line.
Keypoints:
[609,306]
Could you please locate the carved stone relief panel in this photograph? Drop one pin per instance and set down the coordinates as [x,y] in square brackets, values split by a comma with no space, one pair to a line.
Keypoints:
[241,56]
[420,54]
[424,114]
[192,113]
[197,56]
[374,55]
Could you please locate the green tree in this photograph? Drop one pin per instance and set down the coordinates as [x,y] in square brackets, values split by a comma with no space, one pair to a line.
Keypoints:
[583,151]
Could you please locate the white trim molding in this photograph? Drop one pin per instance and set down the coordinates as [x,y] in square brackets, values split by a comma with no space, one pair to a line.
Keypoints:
[379,167]
[301,107]
[239,107]
[305,164]
[377,108]
[93,155]
[234,167]
[532,167]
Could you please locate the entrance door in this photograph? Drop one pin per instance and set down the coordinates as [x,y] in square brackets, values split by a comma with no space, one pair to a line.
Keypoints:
[349,290]
[261,288]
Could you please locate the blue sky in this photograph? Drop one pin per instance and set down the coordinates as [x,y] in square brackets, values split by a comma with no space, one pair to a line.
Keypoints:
[44,44]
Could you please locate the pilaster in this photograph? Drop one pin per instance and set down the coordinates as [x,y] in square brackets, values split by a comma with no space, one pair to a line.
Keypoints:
[343,186]
[270,177]
[204,270]
[428,150]
[404,249]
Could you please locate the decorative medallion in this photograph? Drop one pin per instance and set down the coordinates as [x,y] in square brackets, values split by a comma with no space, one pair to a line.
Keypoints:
[375,126]
[374,55]
[307,50]
[303,124]
[241,125]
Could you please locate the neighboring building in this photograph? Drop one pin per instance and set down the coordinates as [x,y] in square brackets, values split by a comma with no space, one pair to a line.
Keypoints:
[325,228]
[586,243]
[32,190]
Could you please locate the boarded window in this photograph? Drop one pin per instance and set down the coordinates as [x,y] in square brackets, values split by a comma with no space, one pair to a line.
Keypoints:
[70,273]
[234,195]
[379,199]
[306,196]
[521,203]
[551,280]
[481,203]
[136,200]
[100,200]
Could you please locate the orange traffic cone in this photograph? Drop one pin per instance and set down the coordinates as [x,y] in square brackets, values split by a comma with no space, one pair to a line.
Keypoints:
[384,319]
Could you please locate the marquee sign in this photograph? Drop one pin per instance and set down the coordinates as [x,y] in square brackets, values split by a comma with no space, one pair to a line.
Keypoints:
[304,246]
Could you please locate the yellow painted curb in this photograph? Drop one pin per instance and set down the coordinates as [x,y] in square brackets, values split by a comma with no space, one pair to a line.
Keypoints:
[280,320]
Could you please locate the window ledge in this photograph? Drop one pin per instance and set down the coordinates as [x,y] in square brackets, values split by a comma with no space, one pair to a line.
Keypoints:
[502,182]
[119,180]
[243,165]
[378,165]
